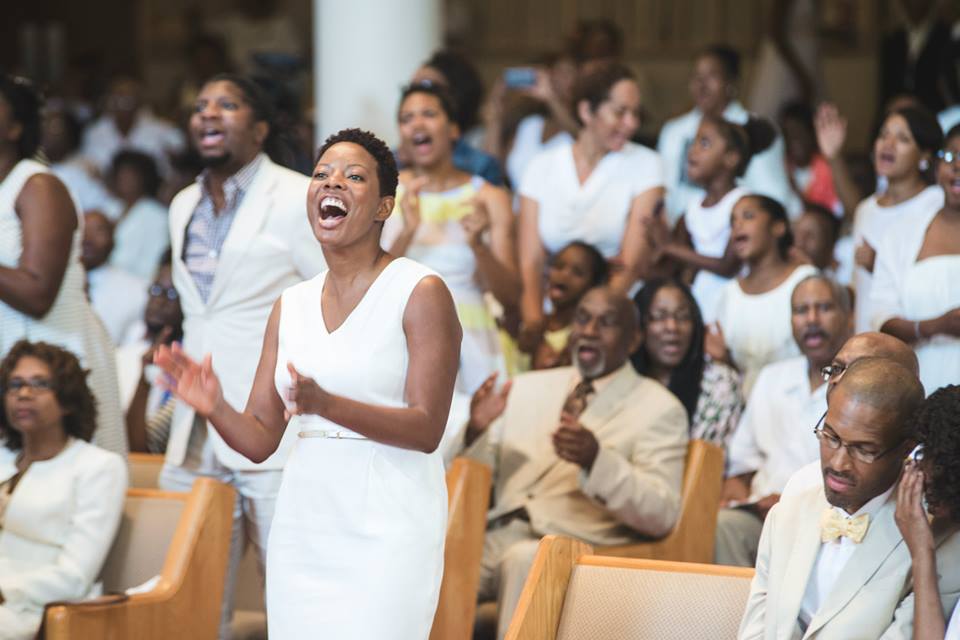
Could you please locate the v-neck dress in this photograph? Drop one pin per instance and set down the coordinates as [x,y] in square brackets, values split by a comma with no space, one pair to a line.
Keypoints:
[356,545]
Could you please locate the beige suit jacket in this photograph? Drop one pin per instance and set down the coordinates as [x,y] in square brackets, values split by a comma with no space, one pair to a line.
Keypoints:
[871,599]
[634,484]
[270,246]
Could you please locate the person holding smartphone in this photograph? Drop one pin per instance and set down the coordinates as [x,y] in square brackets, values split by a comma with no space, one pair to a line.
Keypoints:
[930,476]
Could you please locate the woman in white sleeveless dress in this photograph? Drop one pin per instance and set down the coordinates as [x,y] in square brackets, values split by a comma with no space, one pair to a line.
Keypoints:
[363,357]
[916,292]
[42,282]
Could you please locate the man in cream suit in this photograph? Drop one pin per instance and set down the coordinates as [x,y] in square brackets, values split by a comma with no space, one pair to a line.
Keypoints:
[832,563]
[239,237]
[593,451]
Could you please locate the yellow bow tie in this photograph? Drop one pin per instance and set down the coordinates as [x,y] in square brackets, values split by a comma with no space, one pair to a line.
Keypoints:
[834,526]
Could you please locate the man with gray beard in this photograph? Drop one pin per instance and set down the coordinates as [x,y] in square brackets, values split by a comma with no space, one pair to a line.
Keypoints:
[593,451]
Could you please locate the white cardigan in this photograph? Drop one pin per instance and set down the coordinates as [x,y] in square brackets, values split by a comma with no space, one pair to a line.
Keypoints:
[59,525]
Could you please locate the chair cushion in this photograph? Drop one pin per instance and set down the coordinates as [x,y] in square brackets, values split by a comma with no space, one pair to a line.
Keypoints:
[607,603]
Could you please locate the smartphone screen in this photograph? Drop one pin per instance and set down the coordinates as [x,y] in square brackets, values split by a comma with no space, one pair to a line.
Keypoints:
[520,77]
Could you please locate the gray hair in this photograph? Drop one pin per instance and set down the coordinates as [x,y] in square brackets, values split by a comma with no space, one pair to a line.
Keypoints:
[839,293]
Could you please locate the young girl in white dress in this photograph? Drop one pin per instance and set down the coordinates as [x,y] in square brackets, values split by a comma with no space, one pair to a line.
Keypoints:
[903,156]
[719,155]
[361,360]
[754,310]
[916,292]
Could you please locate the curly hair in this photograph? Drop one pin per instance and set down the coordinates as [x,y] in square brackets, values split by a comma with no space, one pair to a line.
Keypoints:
[937,425]
[443,96]
[69,385]
[387,174]
[594,88]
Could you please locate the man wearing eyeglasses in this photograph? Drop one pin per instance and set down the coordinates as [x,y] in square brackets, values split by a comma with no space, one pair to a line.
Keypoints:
[831,562]
[773,438]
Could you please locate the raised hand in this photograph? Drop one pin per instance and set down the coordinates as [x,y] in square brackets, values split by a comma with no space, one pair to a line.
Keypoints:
[305,394]
[487,404]
[192,382]
[573,443]
[476,223]
[410,203]
[910,516]
[715,345]
[865,256]
[162,338]
[831,130]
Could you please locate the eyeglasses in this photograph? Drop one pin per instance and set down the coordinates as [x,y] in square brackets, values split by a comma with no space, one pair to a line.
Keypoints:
[15,385]
[853,450]
[832,371]
[158,290]
[680,317]
[948,156]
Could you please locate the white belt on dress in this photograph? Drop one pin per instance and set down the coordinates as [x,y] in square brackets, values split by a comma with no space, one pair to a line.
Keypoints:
[331,433]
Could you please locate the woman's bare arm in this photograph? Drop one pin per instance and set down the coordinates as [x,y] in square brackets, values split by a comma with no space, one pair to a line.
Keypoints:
[48,220]
[634,248]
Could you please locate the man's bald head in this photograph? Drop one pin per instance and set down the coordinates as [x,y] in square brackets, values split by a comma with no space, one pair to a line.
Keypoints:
[605,332]
[874,344]
[887,386]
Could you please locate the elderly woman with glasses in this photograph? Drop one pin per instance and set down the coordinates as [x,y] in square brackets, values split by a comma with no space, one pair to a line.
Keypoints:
[60,497]
[916,292]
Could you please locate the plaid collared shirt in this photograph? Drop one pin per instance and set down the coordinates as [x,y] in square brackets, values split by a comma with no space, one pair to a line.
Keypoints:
[208,229]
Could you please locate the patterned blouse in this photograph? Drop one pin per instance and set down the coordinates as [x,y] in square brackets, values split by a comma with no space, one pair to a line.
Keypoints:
[719,405]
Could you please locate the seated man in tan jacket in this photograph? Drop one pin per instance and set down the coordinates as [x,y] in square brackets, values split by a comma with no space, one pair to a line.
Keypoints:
[592,451]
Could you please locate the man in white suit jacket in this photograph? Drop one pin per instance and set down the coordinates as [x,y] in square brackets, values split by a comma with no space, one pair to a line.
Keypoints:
[832,563]
[606,477]
[239,237]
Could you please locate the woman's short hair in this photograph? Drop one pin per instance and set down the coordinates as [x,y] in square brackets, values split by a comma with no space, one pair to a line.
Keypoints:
[25,102]
[69,385]
[937,425]
[387,174]
[594,88]
[143,165]
[926,132]
[431,89]
[686,378]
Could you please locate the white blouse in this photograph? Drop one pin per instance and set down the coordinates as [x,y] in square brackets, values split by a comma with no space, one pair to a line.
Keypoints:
[918,290]
[870,224]
[596,211]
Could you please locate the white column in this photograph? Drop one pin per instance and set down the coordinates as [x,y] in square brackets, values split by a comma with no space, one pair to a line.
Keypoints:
[364,51]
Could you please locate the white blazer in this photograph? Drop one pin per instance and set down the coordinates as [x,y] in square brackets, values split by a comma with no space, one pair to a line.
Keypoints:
[270,246]
[59,525]
[872,598]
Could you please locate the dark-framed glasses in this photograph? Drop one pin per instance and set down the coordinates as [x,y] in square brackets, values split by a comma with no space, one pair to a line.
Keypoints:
[158,291]
[832,371]
[855,451]
[36,385]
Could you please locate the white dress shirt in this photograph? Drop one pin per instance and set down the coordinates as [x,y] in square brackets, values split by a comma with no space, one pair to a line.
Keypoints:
[831,560]
[953,628]
[119,298]
[775,435]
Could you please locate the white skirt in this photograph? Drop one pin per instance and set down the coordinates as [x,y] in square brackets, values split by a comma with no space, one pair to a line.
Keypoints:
[356,546]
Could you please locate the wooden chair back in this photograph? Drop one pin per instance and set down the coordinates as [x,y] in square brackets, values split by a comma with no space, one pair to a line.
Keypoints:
[692,538]
[145,470]
[468,496]
[572,594]
[185,600]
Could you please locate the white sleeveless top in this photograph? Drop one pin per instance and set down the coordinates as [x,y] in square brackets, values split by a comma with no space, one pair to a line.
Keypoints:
[365,358]
[709,229]
[70,323]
